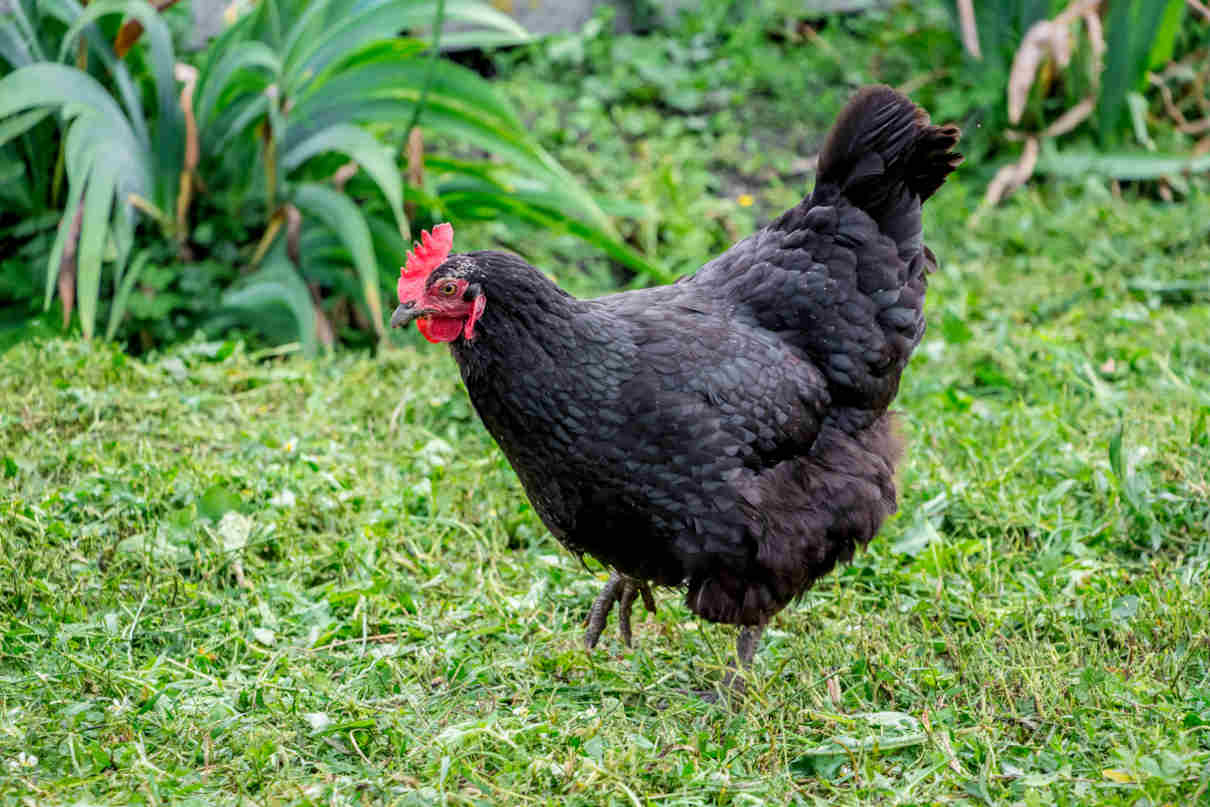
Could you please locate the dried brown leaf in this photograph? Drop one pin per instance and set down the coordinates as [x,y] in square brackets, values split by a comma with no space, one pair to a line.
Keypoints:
[1071,118]
[128,34]
[1044,40]
[1009,178]
[187,74]
[294,235]
[943,741]
[132,29]
[415,178]
[323,328]
[969,28]
[344,174]
[834,693]
[1049,41]
[67,265]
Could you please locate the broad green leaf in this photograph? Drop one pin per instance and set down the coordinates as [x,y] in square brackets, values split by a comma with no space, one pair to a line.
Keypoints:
[98,201]
[228,128]
[54,263]
[397,49]
[121,232]
[363,23]
[276,283]
[359,145]
[168,139]
[15,50]
[475,13]
[91,134]
[483,40]
[389,245]
[339,213]
[155,33]
[55,85]
[20,124]
[96,117]
[1166,33]
[554,211]
[307,28]
[1115,77]
[916,538]
[1075,164]
[402,79]
[214,80]
[19,43]
[460,103]
[68,12]
[1132,30]
[272,18]
[117,310]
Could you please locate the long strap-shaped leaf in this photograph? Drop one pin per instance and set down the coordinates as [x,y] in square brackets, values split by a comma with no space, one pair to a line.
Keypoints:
[277,283]
[355,25]
[1130,32]
[358,144]
[68,12]
[339,213]
[98,200]
[19,44]
[168,139]
[20,124]
[460,103]
[117,311]
[214,78]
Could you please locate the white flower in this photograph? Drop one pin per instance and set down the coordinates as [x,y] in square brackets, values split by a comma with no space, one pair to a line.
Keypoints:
[284,499]
[23,760]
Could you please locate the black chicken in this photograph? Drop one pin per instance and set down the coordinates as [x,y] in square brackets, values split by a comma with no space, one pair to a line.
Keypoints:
[729,433]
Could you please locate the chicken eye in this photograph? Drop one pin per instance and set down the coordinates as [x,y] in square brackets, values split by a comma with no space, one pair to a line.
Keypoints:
[449,289]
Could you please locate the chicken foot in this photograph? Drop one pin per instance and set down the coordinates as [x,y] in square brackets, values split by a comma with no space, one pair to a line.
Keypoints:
[745,650]
[624,591]
[734,686]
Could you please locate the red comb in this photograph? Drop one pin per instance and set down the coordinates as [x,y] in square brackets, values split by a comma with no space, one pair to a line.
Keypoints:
[424,258]
[431,251]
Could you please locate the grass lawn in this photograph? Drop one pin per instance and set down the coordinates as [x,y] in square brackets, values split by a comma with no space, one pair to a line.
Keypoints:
[232,577]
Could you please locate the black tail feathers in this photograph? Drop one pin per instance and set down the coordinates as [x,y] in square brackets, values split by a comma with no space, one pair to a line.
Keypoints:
[881,143]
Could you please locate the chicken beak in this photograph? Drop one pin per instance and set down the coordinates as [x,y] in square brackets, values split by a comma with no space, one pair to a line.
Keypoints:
[404,314]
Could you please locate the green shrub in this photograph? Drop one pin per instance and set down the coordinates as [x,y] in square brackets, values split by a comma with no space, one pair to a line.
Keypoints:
[236,169]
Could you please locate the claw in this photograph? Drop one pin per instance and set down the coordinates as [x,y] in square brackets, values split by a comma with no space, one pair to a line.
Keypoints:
[648,600]
[623,591]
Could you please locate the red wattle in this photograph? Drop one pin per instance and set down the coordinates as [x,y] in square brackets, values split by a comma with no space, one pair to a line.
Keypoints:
[439,329]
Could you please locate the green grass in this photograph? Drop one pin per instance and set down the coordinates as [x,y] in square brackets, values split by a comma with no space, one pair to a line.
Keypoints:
[384,619]
[232,576]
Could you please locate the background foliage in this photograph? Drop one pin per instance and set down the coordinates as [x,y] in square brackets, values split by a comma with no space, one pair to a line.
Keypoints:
[264,179]
[256,138]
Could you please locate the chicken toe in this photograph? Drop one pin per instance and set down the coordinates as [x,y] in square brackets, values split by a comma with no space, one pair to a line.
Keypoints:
[623,591]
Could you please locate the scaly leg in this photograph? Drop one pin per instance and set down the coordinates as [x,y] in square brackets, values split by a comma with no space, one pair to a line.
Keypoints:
[622,590]
[745,649]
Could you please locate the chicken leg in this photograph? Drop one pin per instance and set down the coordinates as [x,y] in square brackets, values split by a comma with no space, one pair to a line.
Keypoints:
[623,590]
[745,649]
